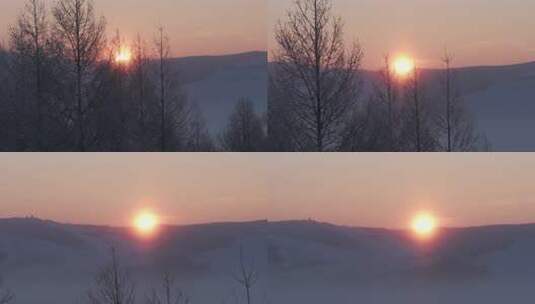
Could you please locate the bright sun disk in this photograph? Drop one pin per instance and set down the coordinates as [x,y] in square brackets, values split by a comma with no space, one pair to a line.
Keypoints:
[123,55]
[403,66]
[424,225]
[146,223]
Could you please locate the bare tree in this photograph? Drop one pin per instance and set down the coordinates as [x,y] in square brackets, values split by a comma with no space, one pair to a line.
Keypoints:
[389,97]
[244,132]
[313,63]
[199,139]
[282,134]
[29,37]
[6,296]
[418,131]
[455,120]
[83,36]
[168,293]
[112,285]
[375,124]
[5,131]
[417,109]
[246,275]
[447,91]
[60,93]
[162,49]
[141,87]
[367,130]
[174,111]
[117,112]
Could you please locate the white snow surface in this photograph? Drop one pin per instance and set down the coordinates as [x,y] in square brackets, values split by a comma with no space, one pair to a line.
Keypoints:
[217,83]
[500,98]
[297,261]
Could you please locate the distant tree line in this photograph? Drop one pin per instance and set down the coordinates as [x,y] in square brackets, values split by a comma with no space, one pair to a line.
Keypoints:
[63,89]
[316,100]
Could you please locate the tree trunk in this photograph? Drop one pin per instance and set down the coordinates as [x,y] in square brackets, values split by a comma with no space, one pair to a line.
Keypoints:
[417,112]
[162,94]
[317,71]
[80,111]
[248,295]
[38,93]
[448,103]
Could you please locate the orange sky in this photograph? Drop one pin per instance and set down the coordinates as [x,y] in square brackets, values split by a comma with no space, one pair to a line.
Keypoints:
[476,32]
[196,27]
[379,190]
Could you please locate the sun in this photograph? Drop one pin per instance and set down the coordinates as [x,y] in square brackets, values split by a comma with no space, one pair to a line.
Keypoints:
[424,225]
[403,66]
[146,223]
[123,55]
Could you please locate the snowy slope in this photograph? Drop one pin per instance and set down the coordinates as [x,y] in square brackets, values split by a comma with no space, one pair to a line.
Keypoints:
[501,98]
[318,263]
[49,263]
[506,112]
[298,262]
[216,83]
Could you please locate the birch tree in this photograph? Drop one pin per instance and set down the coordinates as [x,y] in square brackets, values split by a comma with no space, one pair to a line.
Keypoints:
[319,70]
[168,293]
[112,285]
[244,132]
[28,38]
[6,296]
[83,36]
[456,122]
[246,275]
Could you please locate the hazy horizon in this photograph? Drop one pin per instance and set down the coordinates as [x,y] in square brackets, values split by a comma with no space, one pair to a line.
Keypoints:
[475,32]
[208,27]
[368,190]
[258,220]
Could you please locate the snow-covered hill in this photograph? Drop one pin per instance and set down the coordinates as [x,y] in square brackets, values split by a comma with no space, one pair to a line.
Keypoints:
[50,263]
[298,261]
[316,263]
[216,83]
[501,98]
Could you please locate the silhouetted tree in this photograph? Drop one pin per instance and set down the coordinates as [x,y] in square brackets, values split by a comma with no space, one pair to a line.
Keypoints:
[7,132]
[375,123]
[244,132]
[162,48]
[61,92]
[246,275]
[417,109]
[418,131]
[367,130]
[318,72]
[29,75]
[29,38]
[199,139]
[112,285]
[455,120]
[114,110]
[83,37]
[284,134]
[448,95]
[174,110]
[143,95]
[387,93]
[168,293]
[6,296]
